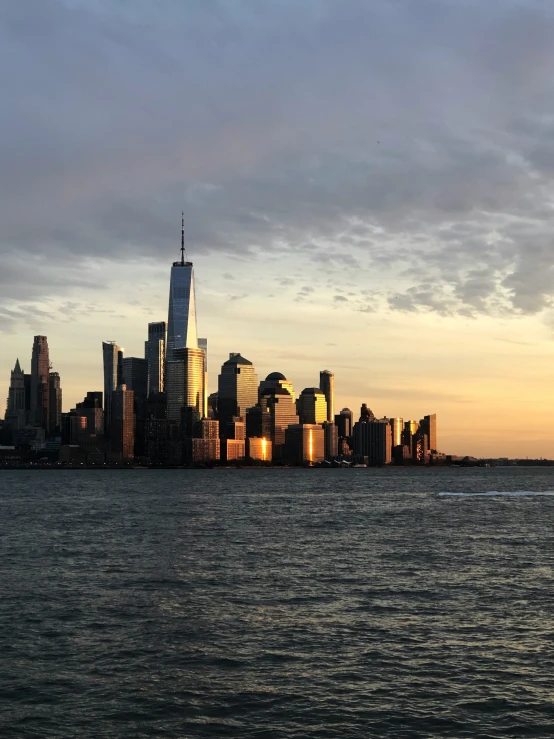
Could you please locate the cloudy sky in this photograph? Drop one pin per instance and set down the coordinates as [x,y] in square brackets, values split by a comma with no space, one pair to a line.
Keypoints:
[367,185]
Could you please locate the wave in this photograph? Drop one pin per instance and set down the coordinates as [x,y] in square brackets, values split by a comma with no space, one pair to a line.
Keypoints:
[505,493]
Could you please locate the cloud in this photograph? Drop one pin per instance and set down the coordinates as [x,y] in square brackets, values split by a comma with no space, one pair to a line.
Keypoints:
[406,145]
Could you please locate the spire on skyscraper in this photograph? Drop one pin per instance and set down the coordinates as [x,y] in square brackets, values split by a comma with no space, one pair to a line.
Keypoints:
[182,238]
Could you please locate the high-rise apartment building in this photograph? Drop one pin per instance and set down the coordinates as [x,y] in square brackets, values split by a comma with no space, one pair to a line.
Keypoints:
[154,353]
[373,440]
[54,404]
[40,371]
[311,406]
[237,388]
[181,319]
[122,426]
[113,376]
[429,427]
[135,377]
[304,444]
[327,387]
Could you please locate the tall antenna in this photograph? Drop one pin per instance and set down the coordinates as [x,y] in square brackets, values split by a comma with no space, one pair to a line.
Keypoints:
[182,238]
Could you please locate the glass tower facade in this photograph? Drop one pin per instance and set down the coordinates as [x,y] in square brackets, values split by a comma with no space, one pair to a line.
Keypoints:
[312,406]
[154,352]
[113,376]
[181,319]
[237,387]
[184,385]
[327,387]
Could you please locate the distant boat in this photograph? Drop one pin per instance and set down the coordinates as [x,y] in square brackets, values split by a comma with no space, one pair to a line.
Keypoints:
[360,465]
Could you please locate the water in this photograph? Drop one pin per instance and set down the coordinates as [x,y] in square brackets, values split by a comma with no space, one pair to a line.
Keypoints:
[277,603]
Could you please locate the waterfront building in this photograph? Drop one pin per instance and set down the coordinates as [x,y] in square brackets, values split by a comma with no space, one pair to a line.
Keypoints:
[233,429]
[155,429]
[311,406]
[113,376]
[304,444]
[154,353]
[429,428]
[122,427]
[372,441]
[327,387]
[237,387]
[259,449]
[181,319]
[275,380]
[331,437]
[233,450]
[40,372]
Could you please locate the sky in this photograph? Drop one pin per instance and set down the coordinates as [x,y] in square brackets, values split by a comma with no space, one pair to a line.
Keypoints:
[367,188]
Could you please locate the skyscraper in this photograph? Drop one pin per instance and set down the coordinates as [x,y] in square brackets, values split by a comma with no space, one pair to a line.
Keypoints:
[135,377]
[237,387]
[154,352]
[184,384]
[203,344]
[122,433]
[312,406]
[55,404]
[273,380]
[327,387]
[344,422]
[16,393]
[40,371]
[16,415]
[429,427]
[397,426]
[372,440]
[181,321]
[113,376]
[278,411]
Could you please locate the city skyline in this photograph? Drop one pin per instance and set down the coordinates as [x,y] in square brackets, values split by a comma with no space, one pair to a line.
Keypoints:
[371,193]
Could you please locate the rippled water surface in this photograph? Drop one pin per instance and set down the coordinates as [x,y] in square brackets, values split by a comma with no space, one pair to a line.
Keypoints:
[277,603]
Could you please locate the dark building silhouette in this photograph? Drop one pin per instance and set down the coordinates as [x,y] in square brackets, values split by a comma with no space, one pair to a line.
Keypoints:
[327,387]
[344,422]
[40,372]
[372,439]
[112,356]
[304,444]
[122,427]
[154,352]
[54,404]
